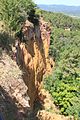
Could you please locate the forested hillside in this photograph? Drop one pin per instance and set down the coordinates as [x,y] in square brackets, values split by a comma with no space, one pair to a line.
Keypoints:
[64,82]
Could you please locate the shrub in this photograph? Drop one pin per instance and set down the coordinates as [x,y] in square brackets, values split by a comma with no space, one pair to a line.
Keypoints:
[14,12]
[5,41]
[66,95]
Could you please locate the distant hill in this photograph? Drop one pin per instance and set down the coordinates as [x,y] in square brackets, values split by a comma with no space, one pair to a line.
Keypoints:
[70,10]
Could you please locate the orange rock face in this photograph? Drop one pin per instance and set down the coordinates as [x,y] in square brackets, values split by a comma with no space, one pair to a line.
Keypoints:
[32,56]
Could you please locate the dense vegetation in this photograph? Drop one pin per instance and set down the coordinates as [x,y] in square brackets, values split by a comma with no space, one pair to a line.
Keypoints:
[15,12]
[12,15]
[60,20]
[64,83]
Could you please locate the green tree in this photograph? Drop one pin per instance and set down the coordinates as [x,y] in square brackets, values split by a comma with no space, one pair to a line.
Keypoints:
[14,12]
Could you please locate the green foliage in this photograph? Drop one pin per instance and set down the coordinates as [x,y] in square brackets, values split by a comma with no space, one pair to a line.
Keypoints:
[5,42]
[60,20]
[66,94]
[75,109]
[64,83]
[14,12]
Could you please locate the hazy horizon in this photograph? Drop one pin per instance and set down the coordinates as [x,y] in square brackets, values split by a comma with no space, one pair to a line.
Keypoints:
[58,2]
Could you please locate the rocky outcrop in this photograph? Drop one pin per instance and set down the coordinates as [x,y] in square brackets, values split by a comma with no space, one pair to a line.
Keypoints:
[14,100]
[45,115]
[32,55]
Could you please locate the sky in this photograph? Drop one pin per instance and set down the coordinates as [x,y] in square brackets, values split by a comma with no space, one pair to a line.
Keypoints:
[62,2]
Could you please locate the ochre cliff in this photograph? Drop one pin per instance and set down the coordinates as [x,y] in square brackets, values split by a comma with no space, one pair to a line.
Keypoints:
[32,55]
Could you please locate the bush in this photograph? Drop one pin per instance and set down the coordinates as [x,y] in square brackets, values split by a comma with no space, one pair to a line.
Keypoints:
[66,95]
[6,42]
